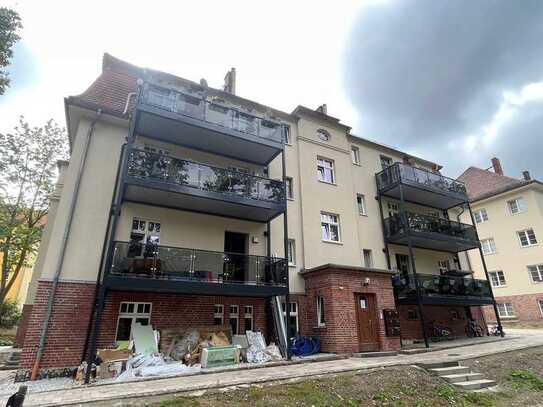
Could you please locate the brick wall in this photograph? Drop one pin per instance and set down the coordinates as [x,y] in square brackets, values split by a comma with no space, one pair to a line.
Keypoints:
[443,314]
[339,288]
[26,312]
[525,308]
[67,327]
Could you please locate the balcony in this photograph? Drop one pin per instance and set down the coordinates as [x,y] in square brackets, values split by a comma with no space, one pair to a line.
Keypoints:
[149,267]
[192,121]
[421,186]
[443,290]
[163,180]
[430,232]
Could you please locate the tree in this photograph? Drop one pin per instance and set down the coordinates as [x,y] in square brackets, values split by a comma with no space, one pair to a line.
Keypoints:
[10,24]
[28,157]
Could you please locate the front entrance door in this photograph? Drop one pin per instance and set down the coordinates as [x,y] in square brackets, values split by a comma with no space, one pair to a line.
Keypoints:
[367,323]
[235,247]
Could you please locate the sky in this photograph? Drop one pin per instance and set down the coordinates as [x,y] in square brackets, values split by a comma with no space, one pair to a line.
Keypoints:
[456,82]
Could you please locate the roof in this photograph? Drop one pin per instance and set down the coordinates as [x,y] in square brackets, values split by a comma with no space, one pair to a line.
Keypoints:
[482,184]
[335,267]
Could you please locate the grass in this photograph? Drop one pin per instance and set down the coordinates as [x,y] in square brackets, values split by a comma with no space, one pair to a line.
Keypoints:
[521,378]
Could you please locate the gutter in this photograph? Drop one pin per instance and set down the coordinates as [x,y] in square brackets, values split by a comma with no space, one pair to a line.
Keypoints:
[60,262]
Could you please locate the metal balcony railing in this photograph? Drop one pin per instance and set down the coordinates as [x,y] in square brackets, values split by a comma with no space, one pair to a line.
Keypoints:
[147,165]
[402,223]
[399,172]
[132,259]
[197,107]
[438,285]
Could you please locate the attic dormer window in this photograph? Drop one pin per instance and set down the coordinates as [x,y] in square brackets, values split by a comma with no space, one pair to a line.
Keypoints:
[323,135]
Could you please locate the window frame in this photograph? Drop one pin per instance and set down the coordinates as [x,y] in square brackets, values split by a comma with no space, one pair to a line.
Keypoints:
[337,224]
[291,254]
[132,315]
[233,315]
[383,158]
[355,155]
[498,279]
[412,314]
[248,316]
[325,133]
[524,232]
[539,270]
[369,252]
[289,188]
[287,136]
[482,218]
[321,311]
[490,246]
[217,315]
[540,303]
[508,313]
[293,312]
[520,208]
[362,198]
[321,176]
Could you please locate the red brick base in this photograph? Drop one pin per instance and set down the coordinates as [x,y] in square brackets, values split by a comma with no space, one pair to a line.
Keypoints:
[23,325]
[339,288]
[525,308]
[453,317]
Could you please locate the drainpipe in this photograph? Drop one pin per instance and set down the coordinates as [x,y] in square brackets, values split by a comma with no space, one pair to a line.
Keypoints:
[64,242]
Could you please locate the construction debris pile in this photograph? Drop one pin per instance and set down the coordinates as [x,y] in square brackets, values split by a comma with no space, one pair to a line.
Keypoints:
[179,351]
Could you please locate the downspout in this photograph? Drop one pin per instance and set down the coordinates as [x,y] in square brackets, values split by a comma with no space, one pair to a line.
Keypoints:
[64,242]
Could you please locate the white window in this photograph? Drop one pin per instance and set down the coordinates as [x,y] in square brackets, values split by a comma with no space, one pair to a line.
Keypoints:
[218,314]
[355,155]
[480,215]
[293,315]
[368,258]
[325,170]
[361,203]
[248,317]
[540,302]
[234,319]
[527,237]
[385,162]
[488,246]
[516,206]
[320,311]
[291,252]
[536,273]
[286,133]
[330,227]
[323,135]
[289,187]
[130,312]
[505,309]
[497,278]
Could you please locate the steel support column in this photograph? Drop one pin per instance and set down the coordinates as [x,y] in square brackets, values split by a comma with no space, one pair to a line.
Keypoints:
[285,242]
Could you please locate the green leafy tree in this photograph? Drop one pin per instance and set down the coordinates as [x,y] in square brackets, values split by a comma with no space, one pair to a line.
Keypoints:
[10,24]
[28,158]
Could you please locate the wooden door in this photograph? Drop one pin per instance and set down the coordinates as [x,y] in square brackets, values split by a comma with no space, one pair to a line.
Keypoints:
[368,323]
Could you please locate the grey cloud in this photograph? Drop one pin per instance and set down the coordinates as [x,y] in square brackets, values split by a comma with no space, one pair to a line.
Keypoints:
[422,73]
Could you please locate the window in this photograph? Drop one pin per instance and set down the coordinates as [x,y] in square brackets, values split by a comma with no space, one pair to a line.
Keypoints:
[480,215]
[248,317]
[505,309]
[412,314]
[488,246]
[218,314]
[330,227]
[286,135]
[443,266]
[143,232]
[129,313]
[385,162]
[355,155]
[323,135]
[234,319]
[361,203]
[497,278]
[516,206]
[293,315]
[320,311]
[392,209]
[536,273]
[540,302]
[527,238]
[368,258]
[291,252]
[325,170]
[289,188]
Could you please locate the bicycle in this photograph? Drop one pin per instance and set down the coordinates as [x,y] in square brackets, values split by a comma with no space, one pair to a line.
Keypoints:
[439,332]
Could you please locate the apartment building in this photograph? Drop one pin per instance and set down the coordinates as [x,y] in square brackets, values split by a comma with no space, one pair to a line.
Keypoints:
[508,213]
[185,205]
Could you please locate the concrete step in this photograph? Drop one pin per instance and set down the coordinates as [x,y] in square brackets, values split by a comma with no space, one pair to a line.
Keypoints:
[462,377]
[373,354]
[475,384]
[414,351]
[436,365]
[443,371]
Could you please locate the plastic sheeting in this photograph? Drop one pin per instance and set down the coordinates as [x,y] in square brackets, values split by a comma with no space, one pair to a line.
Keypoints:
[154,365]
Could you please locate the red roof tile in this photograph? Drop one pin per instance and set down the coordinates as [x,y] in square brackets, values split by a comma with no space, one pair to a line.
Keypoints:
[483,183]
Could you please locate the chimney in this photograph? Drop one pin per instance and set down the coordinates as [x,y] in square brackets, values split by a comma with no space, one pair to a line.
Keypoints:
[230,81]
[323,109]
[526,175]
[497,166]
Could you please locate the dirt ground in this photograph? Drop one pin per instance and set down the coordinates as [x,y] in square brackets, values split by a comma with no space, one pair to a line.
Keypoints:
[519,375]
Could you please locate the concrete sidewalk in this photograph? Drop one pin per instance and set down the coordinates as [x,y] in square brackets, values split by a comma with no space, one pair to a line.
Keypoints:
[135,392]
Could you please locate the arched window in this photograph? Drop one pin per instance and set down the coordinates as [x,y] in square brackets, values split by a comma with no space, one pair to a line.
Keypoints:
[323,135]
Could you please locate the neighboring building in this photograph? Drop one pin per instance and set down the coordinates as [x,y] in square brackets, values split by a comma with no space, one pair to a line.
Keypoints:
[180,195]
[508,213]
